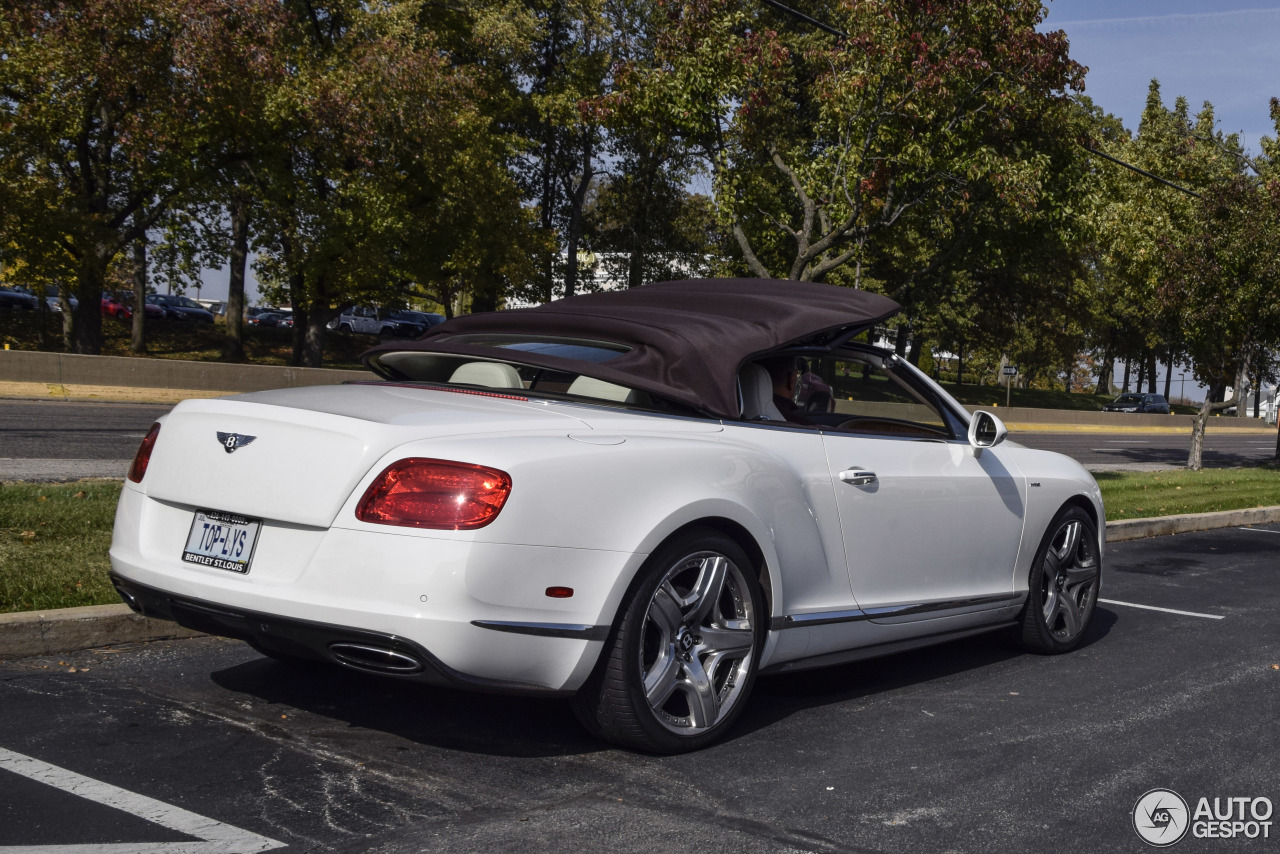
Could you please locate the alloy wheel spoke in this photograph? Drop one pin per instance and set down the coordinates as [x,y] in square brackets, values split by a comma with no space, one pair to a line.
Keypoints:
[727,641]
[706,590]
[665,611]
[1070,542]
[704,705]
[1071,616]
[1078,575]
[1052,602]
[660,682]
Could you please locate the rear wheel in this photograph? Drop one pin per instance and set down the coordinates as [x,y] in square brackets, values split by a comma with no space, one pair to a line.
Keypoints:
[681,660]
[1063,588]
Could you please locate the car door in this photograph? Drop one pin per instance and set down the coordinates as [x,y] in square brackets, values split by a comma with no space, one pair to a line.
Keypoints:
[930,525]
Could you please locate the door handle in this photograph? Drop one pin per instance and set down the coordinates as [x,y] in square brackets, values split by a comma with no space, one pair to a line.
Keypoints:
[857,476]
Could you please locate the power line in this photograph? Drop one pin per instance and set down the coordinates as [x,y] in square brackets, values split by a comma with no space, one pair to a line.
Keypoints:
[801,16]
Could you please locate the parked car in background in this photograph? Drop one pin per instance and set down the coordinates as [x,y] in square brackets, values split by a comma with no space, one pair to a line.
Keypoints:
[180,308]
[399,323]
[412,320]
[54,303]
[1138,402]
[121,305]
[265,319]
[599,498]
[12,297]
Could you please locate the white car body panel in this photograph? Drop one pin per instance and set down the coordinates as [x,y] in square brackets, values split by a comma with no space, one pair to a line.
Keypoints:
[595,491]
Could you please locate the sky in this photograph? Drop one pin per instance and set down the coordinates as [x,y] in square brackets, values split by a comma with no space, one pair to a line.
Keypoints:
[1223,51]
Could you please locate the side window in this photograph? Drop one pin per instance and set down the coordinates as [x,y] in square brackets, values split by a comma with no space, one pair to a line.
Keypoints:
[869,398]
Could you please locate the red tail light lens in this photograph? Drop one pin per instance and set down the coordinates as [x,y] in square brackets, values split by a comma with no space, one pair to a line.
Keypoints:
[143,458]
[424,493]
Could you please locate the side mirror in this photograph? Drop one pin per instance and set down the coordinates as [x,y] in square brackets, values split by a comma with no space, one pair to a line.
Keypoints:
[986,430]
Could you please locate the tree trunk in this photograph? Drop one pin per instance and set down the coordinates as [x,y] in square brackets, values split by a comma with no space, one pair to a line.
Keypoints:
[1106,373]
[1125,387]
[313,339]
[1168,376]
[917,346]
[1151,372]
[86,336]
[1194,459]
[1257,399]
[577,201]
[960,365]
[1142,371]
[233,346]
[138,336]
[1242,375]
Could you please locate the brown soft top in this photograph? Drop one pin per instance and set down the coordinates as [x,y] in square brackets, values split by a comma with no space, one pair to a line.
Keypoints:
[687,339]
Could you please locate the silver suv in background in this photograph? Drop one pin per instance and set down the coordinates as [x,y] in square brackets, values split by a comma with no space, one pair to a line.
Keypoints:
[384,323]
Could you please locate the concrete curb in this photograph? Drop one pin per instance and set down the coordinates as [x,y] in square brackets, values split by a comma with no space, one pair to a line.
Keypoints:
[34,633]
[69,629]
[1160,526]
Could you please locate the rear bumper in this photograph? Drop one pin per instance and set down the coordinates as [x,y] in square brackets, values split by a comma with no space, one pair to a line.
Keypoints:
[358,649]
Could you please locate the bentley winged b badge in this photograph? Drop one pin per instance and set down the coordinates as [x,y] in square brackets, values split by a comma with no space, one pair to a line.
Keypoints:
[231,442]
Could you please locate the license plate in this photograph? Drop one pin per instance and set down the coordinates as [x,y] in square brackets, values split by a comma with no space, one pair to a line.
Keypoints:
[222,540]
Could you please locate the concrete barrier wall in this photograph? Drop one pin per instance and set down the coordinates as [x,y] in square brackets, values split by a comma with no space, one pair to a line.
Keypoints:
[27,366]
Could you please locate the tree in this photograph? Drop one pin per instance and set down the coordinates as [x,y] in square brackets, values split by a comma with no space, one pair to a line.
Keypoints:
[817,146]
[107,110]
[1225,289]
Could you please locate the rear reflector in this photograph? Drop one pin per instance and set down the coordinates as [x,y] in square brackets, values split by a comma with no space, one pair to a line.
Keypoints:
[560,592]
[143,458]
[441,494]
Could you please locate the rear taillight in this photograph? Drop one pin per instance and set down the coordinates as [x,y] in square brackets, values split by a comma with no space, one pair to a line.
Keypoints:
[425,493]
[141,459]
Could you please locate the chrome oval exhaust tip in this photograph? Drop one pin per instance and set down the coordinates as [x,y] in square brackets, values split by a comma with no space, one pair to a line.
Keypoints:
[375,659]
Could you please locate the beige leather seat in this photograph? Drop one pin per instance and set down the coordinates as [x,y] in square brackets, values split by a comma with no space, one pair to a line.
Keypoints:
[601,390]
[757,395]
[489,374]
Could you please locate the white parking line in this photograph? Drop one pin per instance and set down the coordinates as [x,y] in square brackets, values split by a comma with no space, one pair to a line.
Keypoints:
[213,837]
[1165,610]
[1260,530]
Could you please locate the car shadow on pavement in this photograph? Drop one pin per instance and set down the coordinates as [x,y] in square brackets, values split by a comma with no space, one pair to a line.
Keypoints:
[777,696]
[489,724]
[529,727]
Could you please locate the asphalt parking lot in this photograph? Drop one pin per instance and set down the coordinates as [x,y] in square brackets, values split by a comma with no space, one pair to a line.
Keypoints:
[202,745]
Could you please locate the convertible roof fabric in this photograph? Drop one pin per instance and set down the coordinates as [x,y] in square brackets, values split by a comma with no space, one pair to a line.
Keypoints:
[688,338]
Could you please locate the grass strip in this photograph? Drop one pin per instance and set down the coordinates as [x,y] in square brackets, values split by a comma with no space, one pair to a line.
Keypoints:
[54,537]
[1144,494]
[53,544]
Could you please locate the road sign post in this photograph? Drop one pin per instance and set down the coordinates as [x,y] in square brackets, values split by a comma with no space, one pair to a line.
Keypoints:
[1009,371]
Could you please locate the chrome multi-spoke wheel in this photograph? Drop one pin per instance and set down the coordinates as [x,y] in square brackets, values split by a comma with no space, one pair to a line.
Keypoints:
[681,660]
[1063,589]
[698,640]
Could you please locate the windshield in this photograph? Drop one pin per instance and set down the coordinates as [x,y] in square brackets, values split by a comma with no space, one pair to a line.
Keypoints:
[1129,398]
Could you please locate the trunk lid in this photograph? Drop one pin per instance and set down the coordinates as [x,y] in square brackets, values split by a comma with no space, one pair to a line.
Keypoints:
[310,447]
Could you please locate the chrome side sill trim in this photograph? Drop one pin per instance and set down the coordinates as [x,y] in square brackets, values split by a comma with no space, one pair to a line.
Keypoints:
[574,631]
[822,618]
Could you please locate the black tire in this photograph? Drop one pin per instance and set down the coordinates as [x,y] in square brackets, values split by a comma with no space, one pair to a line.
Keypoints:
[1063,587]
[692,628]
[344,327]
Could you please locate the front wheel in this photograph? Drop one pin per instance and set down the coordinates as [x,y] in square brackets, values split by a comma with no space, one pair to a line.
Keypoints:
[678,667]
[1063,588]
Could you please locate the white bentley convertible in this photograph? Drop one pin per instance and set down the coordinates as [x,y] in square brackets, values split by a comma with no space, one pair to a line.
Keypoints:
[642,499]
